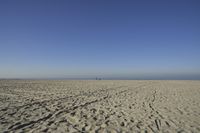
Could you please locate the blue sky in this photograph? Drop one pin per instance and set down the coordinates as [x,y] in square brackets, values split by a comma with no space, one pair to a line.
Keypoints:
[110,39]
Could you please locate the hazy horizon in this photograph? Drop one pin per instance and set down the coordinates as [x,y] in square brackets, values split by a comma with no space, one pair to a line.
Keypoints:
[105,39]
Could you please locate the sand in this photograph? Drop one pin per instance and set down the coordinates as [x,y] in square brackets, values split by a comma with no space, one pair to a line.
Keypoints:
[99,106]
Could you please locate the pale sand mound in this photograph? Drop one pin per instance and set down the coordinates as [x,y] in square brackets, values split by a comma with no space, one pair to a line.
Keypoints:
[99,106]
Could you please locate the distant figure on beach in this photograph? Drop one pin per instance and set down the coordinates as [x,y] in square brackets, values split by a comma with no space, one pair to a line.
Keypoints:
[98,78]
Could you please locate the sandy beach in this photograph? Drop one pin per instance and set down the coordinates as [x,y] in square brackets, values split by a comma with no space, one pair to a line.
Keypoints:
[99,106]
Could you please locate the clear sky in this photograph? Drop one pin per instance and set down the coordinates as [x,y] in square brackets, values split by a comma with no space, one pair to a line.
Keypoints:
[119,39]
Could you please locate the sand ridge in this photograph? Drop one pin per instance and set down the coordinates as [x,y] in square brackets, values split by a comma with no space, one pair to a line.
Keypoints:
[99,106]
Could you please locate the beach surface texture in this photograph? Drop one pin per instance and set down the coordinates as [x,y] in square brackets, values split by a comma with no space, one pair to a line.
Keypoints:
[110,106]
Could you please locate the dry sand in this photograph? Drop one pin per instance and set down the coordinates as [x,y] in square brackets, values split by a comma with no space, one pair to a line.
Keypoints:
[99,106]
